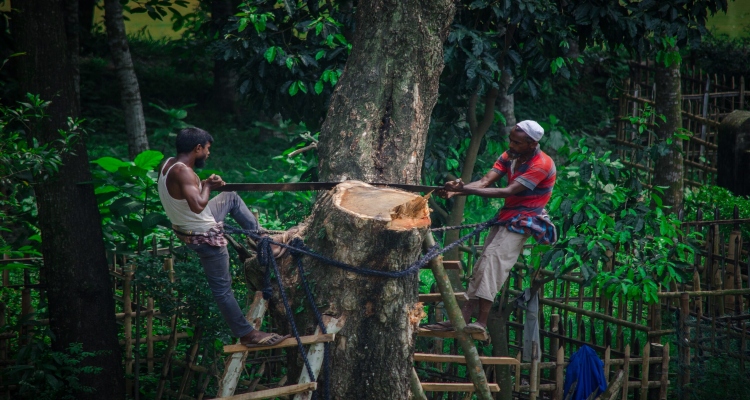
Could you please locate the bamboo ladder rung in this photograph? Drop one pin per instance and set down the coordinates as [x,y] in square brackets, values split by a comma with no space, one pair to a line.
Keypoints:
[440,358]
[436,297]
[455,387]
[290,342]
[275,392]
[447,265]
[450,334]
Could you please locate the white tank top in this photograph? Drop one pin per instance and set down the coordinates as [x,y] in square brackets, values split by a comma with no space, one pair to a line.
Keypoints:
[179,212]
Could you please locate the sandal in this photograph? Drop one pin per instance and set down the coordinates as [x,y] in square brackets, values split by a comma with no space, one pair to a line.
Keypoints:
[444,326]
[475,327]
[270,340]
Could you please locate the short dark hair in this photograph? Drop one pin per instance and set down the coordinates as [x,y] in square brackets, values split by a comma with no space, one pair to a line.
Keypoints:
[188,138]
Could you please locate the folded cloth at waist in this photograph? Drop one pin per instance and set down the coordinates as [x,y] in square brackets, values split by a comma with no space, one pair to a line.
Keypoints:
[213,237]
[540,227]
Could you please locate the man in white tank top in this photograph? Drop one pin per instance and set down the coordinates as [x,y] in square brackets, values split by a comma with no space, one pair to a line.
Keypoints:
[199,222]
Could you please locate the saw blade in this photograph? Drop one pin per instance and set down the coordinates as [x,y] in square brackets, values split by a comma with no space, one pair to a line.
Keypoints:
[312,186]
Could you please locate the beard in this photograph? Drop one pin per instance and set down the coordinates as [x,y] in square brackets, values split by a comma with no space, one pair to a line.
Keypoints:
[200,162]
[513,155]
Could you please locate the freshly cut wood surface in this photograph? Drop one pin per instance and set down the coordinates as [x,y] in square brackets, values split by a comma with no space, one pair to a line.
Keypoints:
[462,360]
[455,387]
[290,342]
[450,334]
[275,392]
[400,209]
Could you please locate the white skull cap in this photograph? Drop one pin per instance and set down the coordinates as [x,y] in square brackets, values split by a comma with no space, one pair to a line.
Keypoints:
[532,128]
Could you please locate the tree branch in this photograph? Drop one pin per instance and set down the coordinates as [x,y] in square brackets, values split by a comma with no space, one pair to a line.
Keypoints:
[471,112]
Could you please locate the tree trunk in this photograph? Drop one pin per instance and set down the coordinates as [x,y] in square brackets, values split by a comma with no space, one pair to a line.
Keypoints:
[377,122]
[668,169]
[478,130]
[86,18]
[497,327]
[81,306]
[357,224]
[225,77]
[130,93]
[506,102]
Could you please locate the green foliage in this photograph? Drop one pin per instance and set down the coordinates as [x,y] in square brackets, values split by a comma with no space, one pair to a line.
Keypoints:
[719,54]
[24,162]
[41,373]
[129,204]
[289,54]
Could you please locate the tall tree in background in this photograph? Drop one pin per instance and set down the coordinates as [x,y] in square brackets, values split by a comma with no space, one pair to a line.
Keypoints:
[225,91]
[130,92]
[81,307]
[669,169]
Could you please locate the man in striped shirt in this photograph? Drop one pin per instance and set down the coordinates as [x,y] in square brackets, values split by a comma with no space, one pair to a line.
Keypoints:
[531,177]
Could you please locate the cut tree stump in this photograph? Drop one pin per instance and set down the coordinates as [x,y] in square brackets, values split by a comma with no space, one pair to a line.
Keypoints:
[373,228]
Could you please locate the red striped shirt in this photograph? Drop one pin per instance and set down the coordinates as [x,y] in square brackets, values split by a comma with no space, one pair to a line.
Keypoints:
[537,175]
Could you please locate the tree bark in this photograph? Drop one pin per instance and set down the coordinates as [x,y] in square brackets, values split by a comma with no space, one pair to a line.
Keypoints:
[130,92]
[225,77]
[506,102]
[377,121]
[81,306]
[374,228]
[478,130]
[668,169]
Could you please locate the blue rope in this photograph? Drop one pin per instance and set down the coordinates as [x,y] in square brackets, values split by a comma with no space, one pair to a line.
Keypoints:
[298,249]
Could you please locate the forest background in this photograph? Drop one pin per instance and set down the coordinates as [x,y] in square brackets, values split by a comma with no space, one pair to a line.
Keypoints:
[270,104]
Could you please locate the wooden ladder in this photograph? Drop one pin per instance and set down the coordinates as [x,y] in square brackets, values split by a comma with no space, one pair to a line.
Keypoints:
[236,363]
[447,295]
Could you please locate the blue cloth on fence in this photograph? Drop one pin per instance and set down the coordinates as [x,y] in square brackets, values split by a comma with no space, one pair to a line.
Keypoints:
[586,368]
[540,227]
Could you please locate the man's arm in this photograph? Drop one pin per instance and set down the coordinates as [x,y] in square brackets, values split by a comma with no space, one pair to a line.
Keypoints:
[512,189]
[188,185]
[457,188]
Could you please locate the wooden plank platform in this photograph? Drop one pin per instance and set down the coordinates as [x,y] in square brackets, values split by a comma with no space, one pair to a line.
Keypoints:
[455,387]
[440,358]
[436,297]
[450,334]
[275,392]
[447,265]
[290,342]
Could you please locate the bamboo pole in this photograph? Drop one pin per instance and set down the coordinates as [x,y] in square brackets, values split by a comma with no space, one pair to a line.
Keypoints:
[190,361]
[559,373]
[167,358]
[664,378]
[554,327]
[626,371]
[128,328]
[149,335]
[645,371]
[607,362]
[591,314]
[416,386]
[684,349]
[473,364]
[236,363]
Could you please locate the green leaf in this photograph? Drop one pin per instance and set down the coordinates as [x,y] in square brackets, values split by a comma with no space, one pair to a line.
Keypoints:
[111,164]
[318,87]
[320,54]
[270,54]
[302,86]
[290,62]
[243,24]
[125,206]
[293,89]
[148,159]
[153,219]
